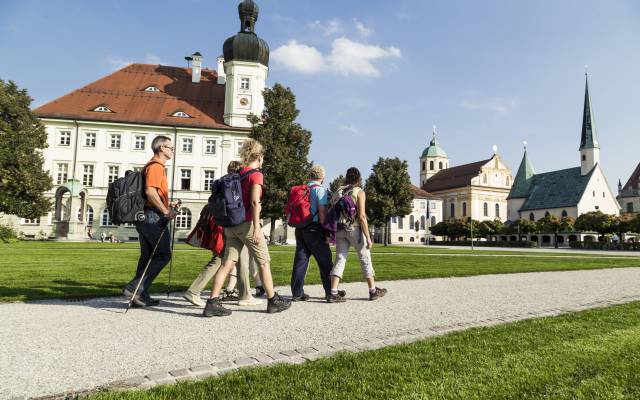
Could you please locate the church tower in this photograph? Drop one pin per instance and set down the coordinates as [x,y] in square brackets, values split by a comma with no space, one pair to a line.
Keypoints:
[432,160]
[246,65]
[589,146]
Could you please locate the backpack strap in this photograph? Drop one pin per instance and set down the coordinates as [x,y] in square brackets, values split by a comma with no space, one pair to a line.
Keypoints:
[249,172]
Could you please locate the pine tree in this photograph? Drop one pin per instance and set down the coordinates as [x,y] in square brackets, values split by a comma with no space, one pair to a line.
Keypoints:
[22,178]
[336,183]
[286,146]
[388,191]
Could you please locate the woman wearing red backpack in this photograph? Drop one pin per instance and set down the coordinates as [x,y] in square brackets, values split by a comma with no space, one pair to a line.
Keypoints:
[353,232]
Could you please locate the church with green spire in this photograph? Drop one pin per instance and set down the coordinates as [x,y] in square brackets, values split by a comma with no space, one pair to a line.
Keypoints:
[568,192]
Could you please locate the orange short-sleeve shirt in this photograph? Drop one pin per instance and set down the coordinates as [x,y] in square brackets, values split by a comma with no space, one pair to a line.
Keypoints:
[156,177]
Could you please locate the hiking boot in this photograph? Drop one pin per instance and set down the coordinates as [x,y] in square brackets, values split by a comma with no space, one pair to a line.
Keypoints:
[304,297]
[193,299]
[230,295]
[251,301]
[215,309]
[379,292]
[260,291]
[150,301]
[277,304]
[335,298]
[137,300]
[342,293]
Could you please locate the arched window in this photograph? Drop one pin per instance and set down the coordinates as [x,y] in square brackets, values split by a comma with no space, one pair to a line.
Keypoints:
[394,220]
[431,165]
[89,216]
[400,222]
[412,222]
[423,220]
[532,217]
[453,210]
[106,218]
[183,219]
[433,221]
[464,209]
[546,214]
[486,209]
[497,210]
[484,178]
[424,165]
[564,213]
[440,165]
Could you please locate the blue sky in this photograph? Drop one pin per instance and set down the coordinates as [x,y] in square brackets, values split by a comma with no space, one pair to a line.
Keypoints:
[371,78]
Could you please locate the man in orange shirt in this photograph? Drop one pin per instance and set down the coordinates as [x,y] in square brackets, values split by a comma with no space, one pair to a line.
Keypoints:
[153,230]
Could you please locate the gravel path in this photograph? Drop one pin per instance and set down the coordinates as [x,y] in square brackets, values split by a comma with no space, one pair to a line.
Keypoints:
[51,347]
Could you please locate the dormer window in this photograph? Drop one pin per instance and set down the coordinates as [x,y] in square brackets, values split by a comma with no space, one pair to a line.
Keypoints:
[103,109]
[181,114]
[152,88]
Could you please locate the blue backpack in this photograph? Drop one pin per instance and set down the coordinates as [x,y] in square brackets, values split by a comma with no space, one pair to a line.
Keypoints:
[225,203]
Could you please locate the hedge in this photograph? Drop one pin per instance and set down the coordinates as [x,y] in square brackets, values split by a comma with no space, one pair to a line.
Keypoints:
[604,246]
[493,243]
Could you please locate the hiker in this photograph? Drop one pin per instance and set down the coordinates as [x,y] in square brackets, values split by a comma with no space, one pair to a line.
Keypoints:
[103,236]
[353,230]
[153,230]
[310,239]
[248,234]
[243,266]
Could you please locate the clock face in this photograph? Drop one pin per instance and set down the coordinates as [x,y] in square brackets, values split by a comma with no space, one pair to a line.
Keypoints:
[244,101]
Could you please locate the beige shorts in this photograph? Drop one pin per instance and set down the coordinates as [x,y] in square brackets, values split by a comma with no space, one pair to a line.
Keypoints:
[239,236]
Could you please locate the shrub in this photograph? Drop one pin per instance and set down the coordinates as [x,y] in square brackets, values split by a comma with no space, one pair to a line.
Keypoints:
[604,246]
[497,243]
[7,234]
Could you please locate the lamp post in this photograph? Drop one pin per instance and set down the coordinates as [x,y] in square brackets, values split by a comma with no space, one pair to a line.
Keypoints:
[471,228]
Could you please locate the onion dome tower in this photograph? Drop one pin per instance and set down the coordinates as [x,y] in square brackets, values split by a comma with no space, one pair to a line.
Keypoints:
[246,66]
[433,159]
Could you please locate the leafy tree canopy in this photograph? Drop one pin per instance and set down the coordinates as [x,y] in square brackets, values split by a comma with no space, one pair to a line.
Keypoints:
[388,190]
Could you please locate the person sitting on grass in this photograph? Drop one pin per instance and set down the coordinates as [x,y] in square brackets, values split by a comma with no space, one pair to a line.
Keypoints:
[247,234]
[353,233]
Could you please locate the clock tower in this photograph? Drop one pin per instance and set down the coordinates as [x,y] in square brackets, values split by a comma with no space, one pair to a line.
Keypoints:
[246,66]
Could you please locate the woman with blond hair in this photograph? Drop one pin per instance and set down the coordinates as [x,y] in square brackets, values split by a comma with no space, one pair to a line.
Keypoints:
[247,233]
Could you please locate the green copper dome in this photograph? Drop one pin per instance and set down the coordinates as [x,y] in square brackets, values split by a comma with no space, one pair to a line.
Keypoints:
[246,45]
[434,149]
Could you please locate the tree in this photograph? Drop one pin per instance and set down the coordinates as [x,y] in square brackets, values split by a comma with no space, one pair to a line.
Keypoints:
[622,224]
[286,146]
[336,183]
[22,178]
[457,229]
[550,224]
[489,228]
[388,191]
[635,224]
[594,221]
[440,229]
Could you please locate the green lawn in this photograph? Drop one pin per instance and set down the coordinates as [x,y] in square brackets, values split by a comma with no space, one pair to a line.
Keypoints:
[40,270]
[587,355]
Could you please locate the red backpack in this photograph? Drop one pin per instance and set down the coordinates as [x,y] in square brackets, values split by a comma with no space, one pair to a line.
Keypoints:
[298,208]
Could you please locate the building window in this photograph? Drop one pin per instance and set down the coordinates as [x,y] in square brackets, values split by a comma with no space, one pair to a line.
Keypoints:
[62,173]
[87,175]
[453,210]
[532,217]
[64,138]
[209,177]
[597,207]
[114,171]
[431,165]
[181,114]
[103,109]
[484,179]
[114,140]
[412,222]
[464,209]
[584,157]
[433,206]
[238,147]
[400,222]
[440,165]
[89,216]
[497,210]
[400,239]
[244,83]
[603,195]
[139,142]
[187,145]
[183,219]
[210,146]
[152,89]
[412,239]
[629,207]
[433,221]
[185,179]
[564,213]
[31,221]
[423,220]
[90,139]
[485,208]
[106,218]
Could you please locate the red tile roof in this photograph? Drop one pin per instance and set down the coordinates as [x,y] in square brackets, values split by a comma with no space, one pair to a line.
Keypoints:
[123,92]
[634,180]
[454,177]
[421,194]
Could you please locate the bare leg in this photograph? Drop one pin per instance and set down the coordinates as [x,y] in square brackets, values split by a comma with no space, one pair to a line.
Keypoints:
[267,281]
[220,276]
[335,281]
[371,282]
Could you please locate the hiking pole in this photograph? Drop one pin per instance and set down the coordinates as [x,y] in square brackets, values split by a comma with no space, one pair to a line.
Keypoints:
[173,238]
[135,292]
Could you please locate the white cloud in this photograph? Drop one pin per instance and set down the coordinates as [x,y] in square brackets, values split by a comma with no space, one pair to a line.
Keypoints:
[362,30]
[117,63]
[347,57]
[351,129]
[328,28]
[299,57]
[498,106]
[153,59]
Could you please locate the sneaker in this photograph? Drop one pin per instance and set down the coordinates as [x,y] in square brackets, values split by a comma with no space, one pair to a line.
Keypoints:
[137,300]
[342,293]
[230,295]
[193,299]
[215,309]
[277,304]
[333,298]
[150,301]
[379,292]
[251,301]
[260,291]
[304,297]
